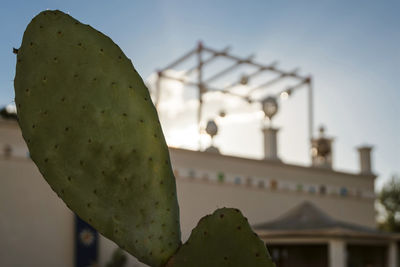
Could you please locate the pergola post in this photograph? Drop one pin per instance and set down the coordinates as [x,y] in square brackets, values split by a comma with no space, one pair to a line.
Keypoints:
[392,254]
[337,253]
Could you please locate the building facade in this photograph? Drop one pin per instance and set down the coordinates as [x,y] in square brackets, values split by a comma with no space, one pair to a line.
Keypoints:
[37,229]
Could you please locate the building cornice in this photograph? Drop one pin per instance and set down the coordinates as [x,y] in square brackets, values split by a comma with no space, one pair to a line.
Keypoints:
[271,163]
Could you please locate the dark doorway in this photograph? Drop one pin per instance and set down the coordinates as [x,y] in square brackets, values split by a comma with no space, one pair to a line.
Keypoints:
[302,255]
[366,256]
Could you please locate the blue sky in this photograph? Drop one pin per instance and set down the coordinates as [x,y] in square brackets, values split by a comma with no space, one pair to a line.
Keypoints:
[352,49]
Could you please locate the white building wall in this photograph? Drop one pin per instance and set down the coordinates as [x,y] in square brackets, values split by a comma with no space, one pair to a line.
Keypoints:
[200,192]
[36,228]
[199,199]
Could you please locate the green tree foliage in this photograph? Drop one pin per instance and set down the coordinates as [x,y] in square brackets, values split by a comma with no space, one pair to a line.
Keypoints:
[389,199]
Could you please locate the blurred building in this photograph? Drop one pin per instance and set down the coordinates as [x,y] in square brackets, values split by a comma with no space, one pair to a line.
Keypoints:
[310,216]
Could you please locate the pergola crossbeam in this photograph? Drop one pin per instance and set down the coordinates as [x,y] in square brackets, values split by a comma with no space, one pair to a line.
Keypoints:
[208,60]
[255,64]
[180,60]
[226,70]
[273,81]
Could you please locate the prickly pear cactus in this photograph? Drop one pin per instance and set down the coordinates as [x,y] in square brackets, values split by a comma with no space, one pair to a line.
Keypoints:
[222,239]
[94,134]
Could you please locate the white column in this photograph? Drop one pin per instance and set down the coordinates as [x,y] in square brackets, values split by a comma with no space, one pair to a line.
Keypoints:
[365,159]
[271,143]
[392,254]
[337,253]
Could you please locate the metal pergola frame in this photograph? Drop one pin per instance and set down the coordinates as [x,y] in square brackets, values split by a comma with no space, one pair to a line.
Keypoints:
[205,55]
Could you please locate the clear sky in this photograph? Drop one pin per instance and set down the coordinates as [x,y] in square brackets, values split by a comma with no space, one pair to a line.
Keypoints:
[352,49]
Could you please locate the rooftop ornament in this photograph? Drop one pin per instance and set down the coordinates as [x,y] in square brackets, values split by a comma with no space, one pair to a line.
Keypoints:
[270,107]
[212,130]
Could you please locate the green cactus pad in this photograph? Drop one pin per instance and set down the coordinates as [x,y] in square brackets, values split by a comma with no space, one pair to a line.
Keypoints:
[94,134]
[222,239]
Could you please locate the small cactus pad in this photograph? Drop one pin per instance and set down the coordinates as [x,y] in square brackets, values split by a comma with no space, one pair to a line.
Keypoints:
[222,239]
[94,134]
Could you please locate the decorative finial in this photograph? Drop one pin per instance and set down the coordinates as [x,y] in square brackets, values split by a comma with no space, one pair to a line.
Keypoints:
[321,130]
[211,128]
[244,80]
[270,107]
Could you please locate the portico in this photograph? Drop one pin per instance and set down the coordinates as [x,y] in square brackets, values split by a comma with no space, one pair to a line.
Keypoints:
[306,236]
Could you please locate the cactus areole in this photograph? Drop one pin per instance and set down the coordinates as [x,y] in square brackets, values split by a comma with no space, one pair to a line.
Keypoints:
[94,134]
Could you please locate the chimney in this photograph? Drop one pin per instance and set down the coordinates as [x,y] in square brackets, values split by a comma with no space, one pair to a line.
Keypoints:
[365,159]
[270,143]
